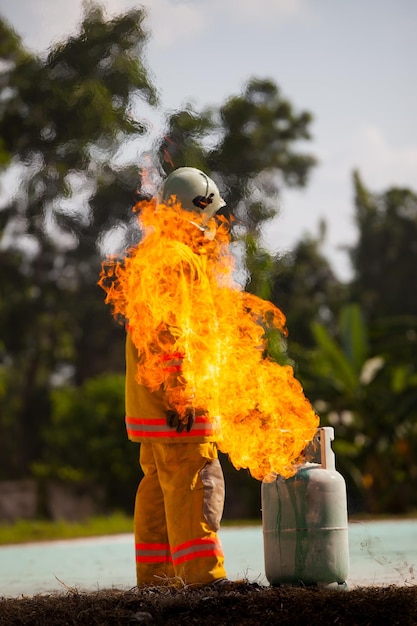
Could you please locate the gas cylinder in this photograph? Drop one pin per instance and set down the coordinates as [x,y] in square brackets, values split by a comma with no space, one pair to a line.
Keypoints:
[305,522]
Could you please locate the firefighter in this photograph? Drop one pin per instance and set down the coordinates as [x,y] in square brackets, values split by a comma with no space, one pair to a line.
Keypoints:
[179,501]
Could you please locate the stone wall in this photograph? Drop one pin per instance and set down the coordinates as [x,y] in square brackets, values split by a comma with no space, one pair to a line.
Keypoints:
[18,500]
[28,499]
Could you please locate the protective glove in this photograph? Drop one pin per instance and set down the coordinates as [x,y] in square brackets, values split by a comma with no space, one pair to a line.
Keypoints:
[181,422]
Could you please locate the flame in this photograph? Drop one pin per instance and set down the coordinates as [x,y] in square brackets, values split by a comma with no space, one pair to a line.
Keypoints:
[177,292]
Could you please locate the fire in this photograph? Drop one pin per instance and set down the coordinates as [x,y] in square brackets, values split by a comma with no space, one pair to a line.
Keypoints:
[177,292]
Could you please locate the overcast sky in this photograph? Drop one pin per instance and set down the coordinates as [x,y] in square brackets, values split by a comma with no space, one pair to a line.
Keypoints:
[351,63]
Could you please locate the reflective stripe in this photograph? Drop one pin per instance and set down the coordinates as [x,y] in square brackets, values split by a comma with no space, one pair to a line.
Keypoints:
[153,553]
[157,427]
[195,549]
[172,368]
[170,356]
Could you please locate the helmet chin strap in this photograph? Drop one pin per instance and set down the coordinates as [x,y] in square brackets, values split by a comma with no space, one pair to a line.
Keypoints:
[209,233]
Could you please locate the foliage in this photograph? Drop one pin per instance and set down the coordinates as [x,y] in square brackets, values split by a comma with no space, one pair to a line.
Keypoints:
[305,287]
[256,156]
[62,118]
[385,264]
[370,401]
[250,147]
[353,347]
[385,258]
[65,119]
[85,440]
[24,531]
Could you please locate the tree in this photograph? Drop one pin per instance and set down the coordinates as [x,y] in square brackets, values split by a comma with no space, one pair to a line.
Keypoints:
[370,400]
[62,118]
[255,157]
[250,147]
[385,257]
[86,441]
[385,264]
[359,370]
[305,287]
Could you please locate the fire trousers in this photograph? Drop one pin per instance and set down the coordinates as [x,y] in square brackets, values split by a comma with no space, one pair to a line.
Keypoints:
[178,508]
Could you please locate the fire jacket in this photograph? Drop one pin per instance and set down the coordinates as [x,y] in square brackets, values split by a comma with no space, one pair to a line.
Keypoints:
[146,411]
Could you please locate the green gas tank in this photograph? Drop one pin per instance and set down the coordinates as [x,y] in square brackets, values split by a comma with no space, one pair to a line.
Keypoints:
[305,522]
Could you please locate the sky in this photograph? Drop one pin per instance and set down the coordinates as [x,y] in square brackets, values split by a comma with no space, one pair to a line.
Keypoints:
[351,63]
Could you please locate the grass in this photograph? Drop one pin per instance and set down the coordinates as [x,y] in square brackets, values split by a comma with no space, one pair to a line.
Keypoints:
[25,531]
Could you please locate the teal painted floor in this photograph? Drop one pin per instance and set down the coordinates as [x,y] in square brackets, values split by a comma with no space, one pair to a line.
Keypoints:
[381,553]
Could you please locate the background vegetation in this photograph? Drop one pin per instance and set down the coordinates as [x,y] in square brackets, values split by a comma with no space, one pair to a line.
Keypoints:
[65,122]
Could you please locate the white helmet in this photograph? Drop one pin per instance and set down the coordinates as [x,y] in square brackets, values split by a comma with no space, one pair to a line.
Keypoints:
[194,190]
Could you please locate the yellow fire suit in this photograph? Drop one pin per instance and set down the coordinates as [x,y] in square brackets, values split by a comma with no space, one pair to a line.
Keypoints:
[179,501]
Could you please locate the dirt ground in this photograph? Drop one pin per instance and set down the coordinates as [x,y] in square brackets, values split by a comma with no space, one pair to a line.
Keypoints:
[238,604]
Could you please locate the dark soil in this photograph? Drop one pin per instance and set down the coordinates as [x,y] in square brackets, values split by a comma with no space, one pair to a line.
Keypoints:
[238,604]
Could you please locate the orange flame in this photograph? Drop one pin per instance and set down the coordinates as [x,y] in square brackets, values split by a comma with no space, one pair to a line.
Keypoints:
[177,291]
